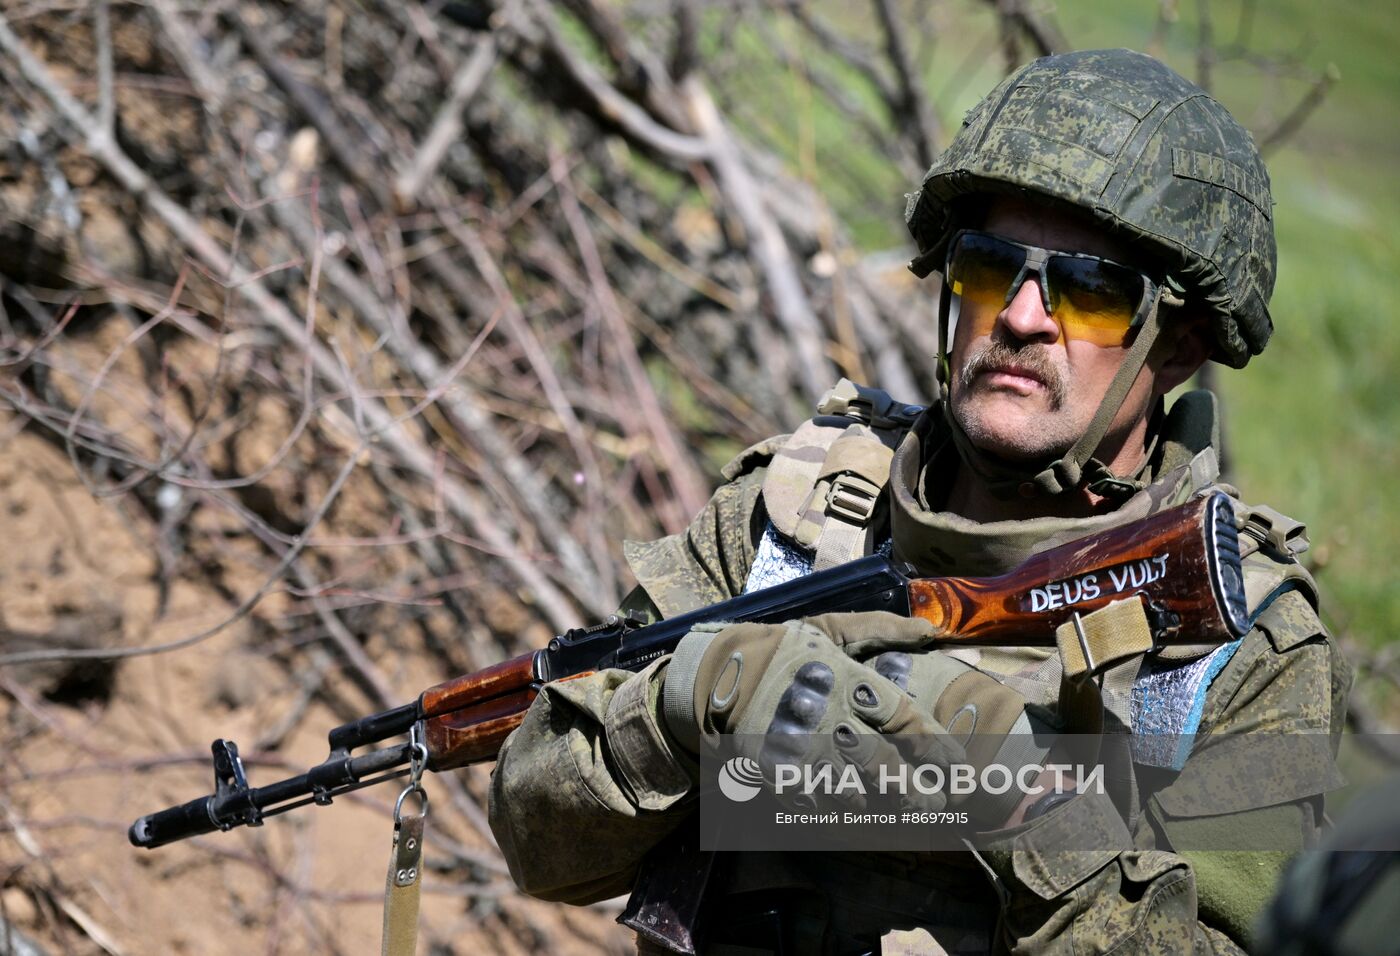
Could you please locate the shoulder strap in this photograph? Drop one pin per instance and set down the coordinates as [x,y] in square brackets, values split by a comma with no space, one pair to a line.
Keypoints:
[823,486]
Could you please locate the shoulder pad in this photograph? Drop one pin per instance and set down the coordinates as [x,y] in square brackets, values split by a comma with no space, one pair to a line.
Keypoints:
[755,456]
[1281,595]
[1266,576]
[1289,620]
[848,443]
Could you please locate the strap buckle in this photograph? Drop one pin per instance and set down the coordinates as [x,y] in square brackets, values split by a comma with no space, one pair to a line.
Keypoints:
[869,406]
[1280,532]
[852,498]
[1093,642]
[1090,665]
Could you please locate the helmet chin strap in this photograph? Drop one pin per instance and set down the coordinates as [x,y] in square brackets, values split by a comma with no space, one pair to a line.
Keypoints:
[1076,468]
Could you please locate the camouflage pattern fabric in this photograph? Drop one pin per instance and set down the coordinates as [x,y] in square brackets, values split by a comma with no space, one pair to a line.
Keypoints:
[710,560]
[588,784]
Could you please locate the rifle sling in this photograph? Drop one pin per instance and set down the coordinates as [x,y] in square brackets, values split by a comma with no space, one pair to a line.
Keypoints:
[402,887]
[1093,642]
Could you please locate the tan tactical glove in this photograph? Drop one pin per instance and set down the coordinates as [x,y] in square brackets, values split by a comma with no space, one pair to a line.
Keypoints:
[991,723]
[795,686]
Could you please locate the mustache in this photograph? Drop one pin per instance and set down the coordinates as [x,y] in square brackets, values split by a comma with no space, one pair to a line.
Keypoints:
[1032,358]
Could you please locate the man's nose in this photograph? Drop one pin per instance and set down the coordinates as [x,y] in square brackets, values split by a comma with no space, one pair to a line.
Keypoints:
[1025,316]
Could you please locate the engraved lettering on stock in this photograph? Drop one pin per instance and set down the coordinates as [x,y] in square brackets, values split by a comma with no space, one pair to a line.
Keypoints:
[1089,587]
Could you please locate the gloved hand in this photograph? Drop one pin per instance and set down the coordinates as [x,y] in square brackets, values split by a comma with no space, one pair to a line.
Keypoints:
[987,718]
[797,686]
[990,720]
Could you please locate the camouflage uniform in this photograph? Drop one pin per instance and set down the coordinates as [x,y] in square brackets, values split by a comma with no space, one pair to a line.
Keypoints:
[592,781]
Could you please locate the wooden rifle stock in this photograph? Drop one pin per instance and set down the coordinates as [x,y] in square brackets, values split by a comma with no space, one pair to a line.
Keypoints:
[1184,562]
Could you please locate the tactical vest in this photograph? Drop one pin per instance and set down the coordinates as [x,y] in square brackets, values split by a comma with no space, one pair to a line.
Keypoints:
[826,482]
[824,502]
[824,495]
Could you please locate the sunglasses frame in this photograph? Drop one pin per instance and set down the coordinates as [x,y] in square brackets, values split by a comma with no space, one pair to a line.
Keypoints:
[1035,262]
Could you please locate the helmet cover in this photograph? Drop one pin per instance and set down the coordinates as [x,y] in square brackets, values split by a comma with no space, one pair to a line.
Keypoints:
[1151,156]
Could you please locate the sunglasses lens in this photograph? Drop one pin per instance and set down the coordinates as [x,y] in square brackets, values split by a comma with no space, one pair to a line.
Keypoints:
[982,268]
[1094,301]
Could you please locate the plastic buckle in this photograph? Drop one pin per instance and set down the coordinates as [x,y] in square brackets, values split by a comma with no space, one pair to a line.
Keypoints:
[852,498]
[839,399]
[868,406]
[1280,532]
[1111,486]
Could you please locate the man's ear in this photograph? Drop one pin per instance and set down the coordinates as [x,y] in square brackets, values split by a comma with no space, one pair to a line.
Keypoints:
[1186,344]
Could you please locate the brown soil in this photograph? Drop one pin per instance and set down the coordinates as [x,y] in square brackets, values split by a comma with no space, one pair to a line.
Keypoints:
[88,749]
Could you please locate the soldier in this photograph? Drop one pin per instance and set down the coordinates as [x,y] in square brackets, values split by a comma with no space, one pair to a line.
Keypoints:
[1102,227]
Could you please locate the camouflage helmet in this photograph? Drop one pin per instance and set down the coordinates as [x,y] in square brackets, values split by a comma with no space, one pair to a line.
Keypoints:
[1154,158]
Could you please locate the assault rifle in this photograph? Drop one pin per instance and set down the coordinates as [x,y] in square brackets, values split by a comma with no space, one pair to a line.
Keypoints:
[1184,563]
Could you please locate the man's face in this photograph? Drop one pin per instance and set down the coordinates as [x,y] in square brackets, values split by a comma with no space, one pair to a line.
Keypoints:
[1020,390]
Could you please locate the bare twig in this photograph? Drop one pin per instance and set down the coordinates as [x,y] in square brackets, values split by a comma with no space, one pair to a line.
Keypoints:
[685,55]
[845,49]
[348,150]
[1298,116]
[102,30]
[611,105]
[770,248]
[457,395]
[447,127]
[690,487]
[104,149]
[911,107]
[1205,46]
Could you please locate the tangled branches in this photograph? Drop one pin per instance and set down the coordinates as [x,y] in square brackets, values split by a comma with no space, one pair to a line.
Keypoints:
[383,329]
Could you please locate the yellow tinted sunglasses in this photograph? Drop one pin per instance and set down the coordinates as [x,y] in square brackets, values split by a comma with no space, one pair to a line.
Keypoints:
[1092,298]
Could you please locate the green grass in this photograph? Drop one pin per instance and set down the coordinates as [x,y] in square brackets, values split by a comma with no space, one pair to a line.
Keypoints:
[1315,426]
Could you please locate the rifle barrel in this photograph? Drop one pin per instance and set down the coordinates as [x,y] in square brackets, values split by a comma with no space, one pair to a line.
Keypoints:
[247,807]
